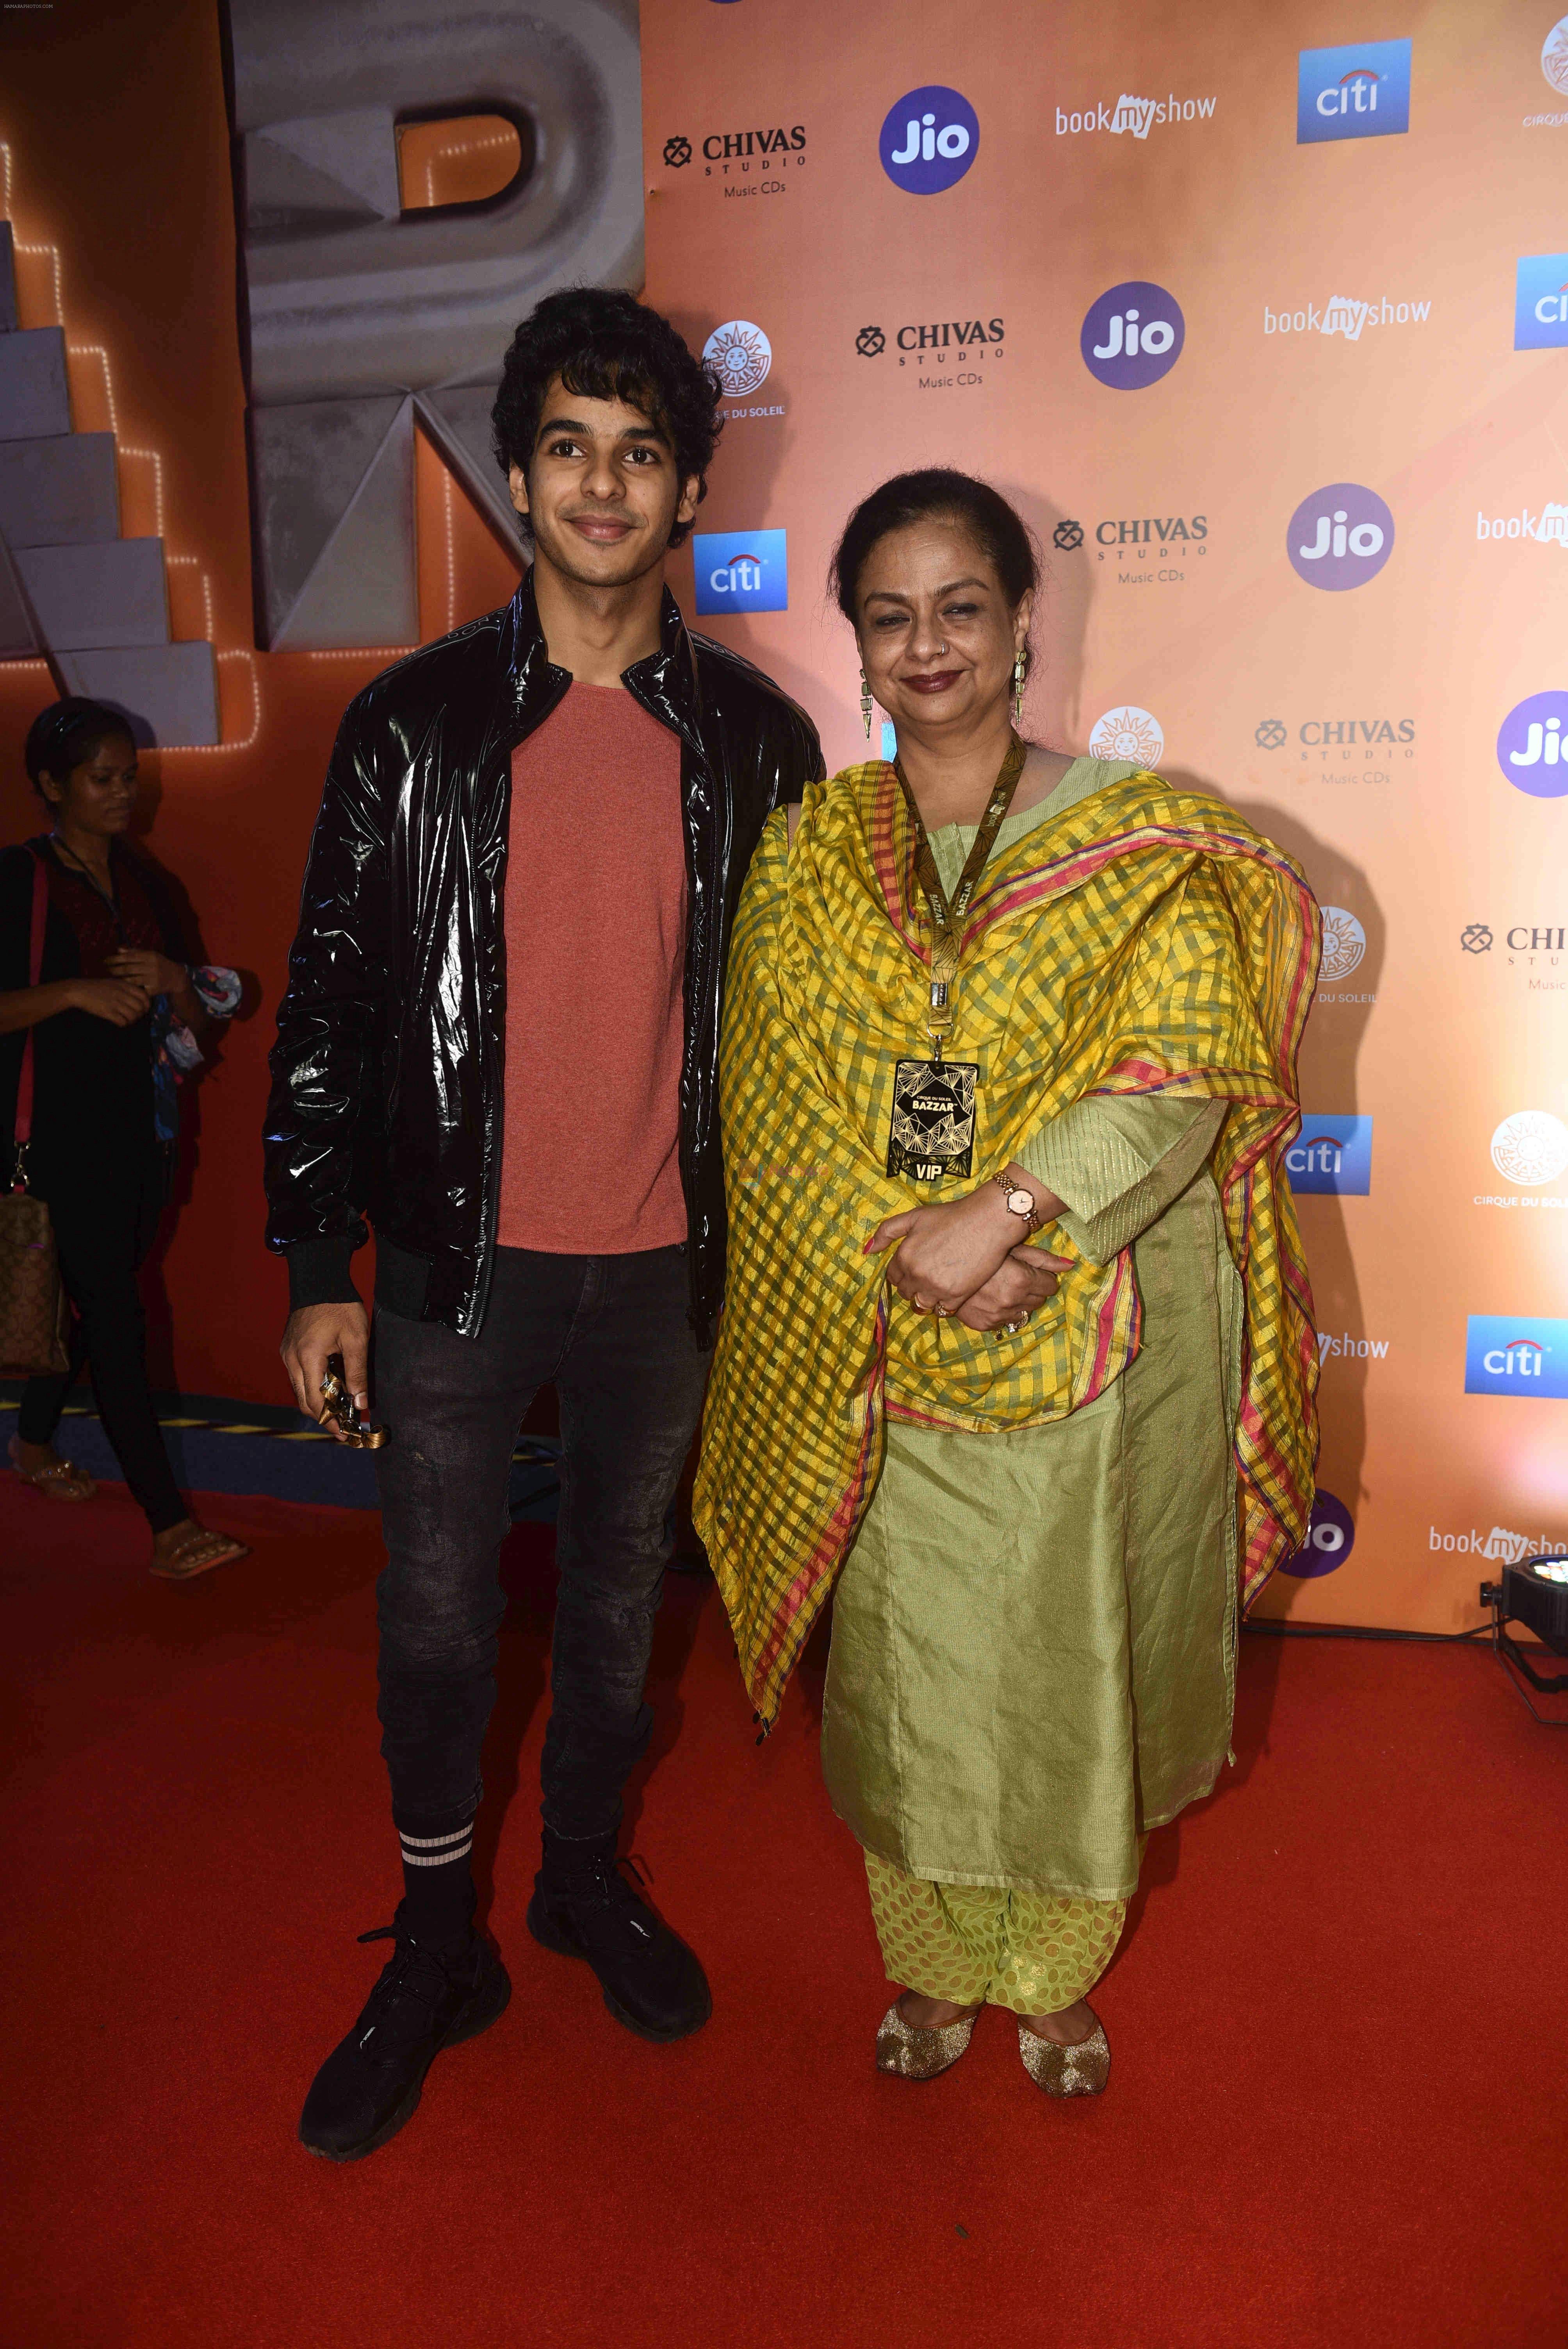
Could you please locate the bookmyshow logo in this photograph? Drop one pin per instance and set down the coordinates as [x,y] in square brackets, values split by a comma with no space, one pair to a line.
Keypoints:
[1350,1350]
[1346,315]
[1547,528]
[1138,115]
[1502,1544]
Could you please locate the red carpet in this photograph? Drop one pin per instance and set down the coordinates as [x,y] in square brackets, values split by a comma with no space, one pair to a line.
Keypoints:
[1338,2112]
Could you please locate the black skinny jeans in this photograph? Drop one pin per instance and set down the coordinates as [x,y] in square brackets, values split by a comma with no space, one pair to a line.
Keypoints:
[612,1334]
[103,1230]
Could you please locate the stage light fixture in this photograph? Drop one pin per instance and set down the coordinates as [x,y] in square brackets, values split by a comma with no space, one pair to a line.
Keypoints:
[1535,1593]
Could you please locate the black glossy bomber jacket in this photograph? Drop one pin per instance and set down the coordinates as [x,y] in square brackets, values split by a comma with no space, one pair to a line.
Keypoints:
[386,1095]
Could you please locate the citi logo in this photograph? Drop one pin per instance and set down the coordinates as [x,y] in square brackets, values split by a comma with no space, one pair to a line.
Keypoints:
[929,139]
[1332,1154]
[1346,315]
[1361,91]
[1341,537]
[742,572]
[1540,302]
[1138,115]
[1523,1357]
[1548,528]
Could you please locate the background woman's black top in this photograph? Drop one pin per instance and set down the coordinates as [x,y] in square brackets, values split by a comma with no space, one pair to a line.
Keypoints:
[92,1107]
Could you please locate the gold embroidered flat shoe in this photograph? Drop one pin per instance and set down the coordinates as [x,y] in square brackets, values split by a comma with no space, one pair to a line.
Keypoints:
[1080,2070]
[911,2053]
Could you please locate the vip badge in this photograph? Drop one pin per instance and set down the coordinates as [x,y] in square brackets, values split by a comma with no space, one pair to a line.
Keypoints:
[933,1134]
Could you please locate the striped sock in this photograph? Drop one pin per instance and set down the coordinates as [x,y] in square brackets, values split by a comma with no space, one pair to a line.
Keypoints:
[437,1883]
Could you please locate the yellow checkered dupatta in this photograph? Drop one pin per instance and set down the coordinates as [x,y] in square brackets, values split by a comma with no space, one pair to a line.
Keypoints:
[1147,940]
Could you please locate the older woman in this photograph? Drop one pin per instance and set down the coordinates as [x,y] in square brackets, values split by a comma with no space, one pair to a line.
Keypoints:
[114,1013]
[988,994]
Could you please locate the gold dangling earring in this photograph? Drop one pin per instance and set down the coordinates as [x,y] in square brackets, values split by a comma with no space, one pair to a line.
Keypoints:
[866,704]
[1020,671]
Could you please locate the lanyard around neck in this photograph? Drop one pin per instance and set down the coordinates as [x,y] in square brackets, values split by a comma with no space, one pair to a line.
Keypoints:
[945,917]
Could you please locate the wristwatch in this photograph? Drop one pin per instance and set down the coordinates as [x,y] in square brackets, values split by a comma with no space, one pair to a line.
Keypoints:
[1020,1203]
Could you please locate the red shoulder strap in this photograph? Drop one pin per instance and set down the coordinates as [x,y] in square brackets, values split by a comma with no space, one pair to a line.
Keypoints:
[24,1125]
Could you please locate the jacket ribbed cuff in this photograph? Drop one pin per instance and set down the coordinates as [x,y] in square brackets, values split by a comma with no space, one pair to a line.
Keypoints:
[319,1272]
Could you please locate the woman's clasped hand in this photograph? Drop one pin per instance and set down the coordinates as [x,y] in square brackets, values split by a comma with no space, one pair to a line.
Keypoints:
[961,1257]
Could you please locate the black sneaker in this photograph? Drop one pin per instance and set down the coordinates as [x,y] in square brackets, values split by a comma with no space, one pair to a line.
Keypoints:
[425,2000]
[584,1908]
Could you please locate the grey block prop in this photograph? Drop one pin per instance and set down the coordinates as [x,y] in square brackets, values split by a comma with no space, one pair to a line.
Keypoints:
[8,280]
[62,492]
[19,634]
[34,398]
[94,597]
[167,692]
[350,300]
[458,423]
[335,509]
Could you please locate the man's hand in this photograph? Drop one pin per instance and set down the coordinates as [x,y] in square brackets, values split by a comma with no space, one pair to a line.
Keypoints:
[121,1002]
[1028,1278]
[312,1333]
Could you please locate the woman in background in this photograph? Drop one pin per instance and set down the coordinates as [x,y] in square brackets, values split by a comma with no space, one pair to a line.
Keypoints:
[115,1018]
[990,992]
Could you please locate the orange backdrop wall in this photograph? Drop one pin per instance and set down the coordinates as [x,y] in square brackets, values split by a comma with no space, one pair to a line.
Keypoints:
[1123,146]
[1335,334]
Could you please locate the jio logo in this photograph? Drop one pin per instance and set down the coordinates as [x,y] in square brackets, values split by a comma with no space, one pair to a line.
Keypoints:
[928,140]
[1330,1538]
[1132,335]
[1530,746]
[1341,537]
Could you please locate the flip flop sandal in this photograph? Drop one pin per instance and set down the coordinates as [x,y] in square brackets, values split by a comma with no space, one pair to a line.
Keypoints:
[62,1480]
[198,1554]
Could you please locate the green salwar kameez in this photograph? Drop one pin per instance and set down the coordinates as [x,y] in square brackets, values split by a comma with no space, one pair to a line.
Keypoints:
[1033,1646]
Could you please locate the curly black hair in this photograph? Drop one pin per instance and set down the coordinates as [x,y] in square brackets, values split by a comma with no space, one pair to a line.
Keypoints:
[606,346]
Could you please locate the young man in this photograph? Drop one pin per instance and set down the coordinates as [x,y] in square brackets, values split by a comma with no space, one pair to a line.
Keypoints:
[500,1042]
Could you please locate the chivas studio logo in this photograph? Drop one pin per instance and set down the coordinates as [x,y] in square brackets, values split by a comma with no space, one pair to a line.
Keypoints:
[1531,746]
[740,355]
[1132,335]
[748,161]
[929,139]
[941,350]
[1341,537]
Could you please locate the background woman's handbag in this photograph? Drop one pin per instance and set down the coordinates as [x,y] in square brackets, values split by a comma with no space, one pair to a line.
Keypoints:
[35,1315]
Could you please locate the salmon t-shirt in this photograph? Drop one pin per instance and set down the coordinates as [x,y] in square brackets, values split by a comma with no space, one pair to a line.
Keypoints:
[596,956]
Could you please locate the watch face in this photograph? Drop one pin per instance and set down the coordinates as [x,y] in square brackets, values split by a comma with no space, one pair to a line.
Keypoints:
[1021,1201]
